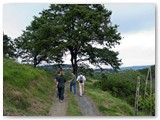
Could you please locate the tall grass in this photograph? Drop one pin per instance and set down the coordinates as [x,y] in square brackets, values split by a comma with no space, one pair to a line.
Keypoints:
[27,90]
[107,104]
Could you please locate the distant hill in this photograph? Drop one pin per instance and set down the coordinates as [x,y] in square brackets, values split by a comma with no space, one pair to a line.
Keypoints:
[69,66]
[135,67]
[124,68]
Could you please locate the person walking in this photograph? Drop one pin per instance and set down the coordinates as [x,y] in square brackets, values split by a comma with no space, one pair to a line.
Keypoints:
[61,86]
[56,82]
[73,83]
[81,79]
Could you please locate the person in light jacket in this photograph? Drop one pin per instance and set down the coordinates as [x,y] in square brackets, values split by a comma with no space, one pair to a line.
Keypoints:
[81,79]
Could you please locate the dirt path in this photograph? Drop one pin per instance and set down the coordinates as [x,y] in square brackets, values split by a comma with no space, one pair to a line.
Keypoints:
[87,106]
[57,108]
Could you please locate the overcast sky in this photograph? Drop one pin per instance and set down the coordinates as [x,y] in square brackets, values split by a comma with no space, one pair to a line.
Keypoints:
[136,25]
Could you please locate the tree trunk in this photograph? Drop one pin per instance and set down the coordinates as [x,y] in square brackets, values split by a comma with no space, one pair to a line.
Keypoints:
[38,60]
[75,66]
[35,65]
[35,61]
[74,61]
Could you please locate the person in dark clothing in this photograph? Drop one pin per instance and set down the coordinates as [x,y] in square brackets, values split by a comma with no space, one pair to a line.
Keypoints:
[73,83]
[61,85]
[56,82]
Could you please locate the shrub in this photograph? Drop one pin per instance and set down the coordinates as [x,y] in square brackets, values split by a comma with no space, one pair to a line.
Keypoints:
[144,104]
[122,85]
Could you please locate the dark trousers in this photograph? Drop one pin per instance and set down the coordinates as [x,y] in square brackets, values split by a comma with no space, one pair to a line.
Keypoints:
[74,87]
[61,92]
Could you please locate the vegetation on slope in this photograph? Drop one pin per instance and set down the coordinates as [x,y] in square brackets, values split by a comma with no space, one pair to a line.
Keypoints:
[26,90]
[123,85]
[107,104]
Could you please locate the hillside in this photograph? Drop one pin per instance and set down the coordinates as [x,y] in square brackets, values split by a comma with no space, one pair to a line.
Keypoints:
[29,92]
[135,67]
[107,104]
[26,90]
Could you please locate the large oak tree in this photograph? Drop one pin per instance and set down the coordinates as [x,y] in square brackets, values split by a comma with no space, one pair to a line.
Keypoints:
[83,30]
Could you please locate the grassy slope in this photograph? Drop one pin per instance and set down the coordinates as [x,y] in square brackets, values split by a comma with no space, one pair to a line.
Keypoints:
[26,91]
[107,104]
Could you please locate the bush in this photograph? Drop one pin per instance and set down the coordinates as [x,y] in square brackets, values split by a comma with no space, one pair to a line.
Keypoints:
[122,85]
[144,104]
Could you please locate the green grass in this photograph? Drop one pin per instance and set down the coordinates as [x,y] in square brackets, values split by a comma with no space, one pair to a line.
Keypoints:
[72,108]
[26,90]
[107,104]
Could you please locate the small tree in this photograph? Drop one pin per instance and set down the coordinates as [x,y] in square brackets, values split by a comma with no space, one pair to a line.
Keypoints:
[8,47]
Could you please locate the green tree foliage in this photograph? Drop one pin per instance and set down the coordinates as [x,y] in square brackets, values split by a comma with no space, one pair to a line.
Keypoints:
[35,46]
[8,47]
[77,29]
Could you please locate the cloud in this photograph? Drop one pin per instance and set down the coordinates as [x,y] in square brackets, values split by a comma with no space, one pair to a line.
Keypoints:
[12,25]
[137,48]
[133,17]
[17,16]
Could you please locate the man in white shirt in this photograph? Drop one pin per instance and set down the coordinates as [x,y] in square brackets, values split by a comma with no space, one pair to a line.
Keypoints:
[81,78]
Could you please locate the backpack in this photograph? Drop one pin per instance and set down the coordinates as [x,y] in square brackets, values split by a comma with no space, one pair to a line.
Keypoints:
[81,79]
